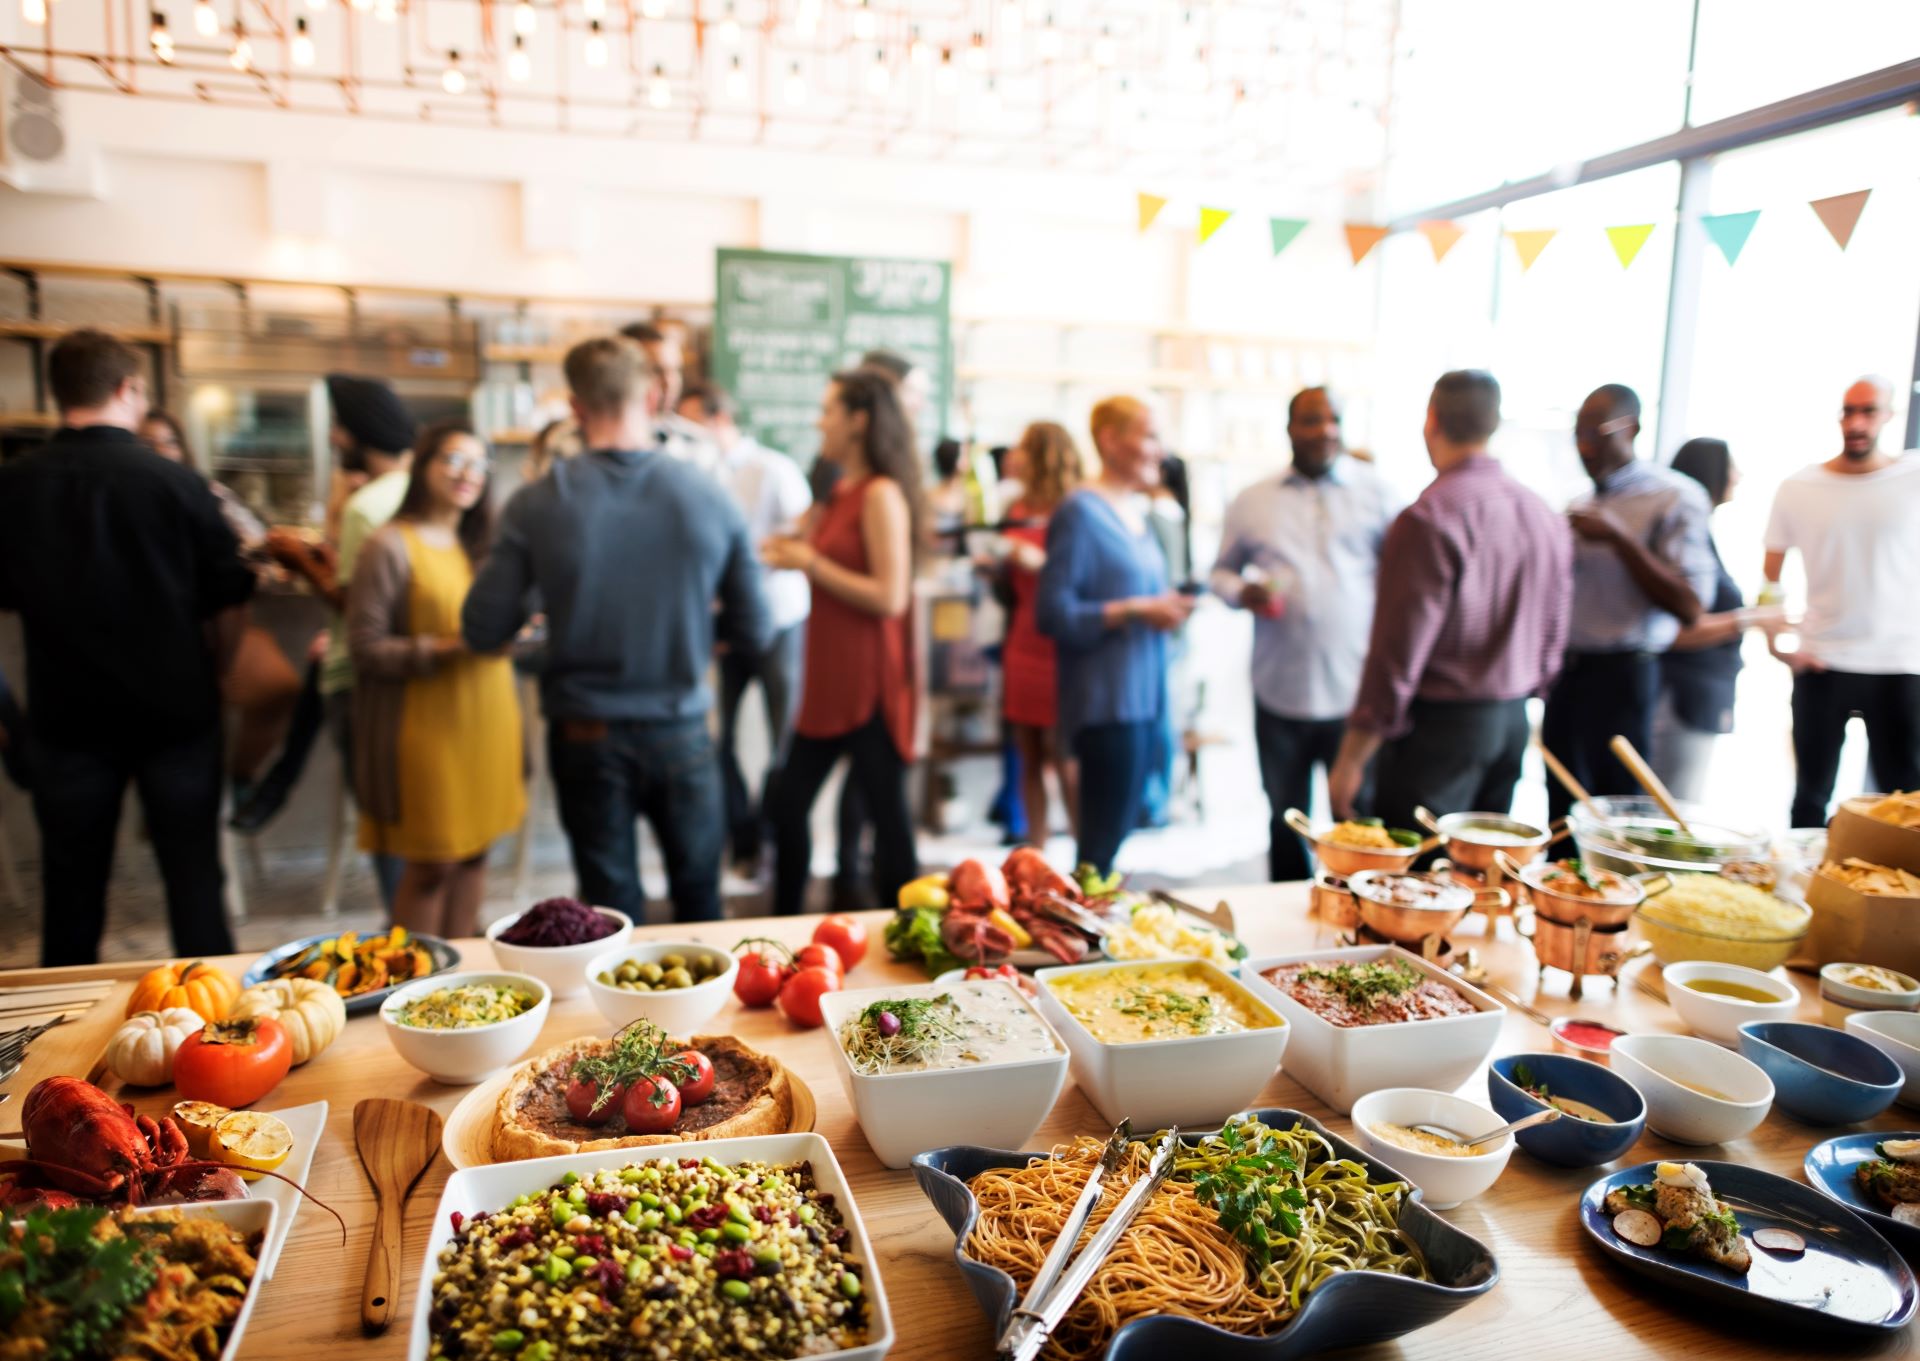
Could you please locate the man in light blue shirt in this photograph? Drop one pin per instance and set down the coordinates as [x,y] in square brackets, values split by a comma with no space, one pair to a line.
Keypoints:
[1643,566]
[1300,550]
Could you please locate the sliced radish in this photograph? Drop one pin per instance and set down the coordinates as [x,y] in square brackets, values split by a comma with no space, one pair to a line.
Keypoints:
[1779,1240]
[1908,1214]
[1637,1227]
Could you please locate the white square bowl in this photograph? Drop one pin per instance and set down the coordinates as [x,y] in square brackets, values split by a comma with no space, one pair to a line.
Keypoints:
[1341,1064]
[1195,1081]
[248,1217]
[471,1190]
[993,1105]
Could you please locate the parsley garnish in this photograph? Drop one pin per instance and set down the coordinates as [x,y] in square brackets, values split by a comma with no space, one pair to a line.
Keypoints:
[1366,985]
[639,1050]
[92,1282]
[1254,1194]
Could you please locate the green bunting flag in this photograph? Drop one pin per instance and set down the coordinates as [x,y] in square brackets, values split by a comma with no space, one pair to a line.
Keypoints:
[1284,230]
[1730,231]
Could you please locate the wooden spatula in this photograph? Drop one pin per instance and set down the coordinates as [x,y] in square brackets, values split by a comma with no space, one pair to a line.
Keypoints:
[396,1139]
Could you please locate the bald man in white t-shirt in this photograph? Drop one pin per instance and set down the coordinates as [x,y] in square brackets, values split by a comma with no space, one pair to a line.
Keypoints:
[1855,521]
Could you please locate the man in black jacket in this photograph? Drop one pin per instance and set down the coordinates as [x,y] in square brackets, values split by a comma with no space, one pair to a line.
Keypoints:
[132,596]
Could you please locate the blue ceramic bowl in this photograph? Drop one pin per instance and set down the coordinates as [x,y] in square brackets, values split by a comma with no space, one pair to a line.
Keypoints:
[1824,1076]
[1567,1141]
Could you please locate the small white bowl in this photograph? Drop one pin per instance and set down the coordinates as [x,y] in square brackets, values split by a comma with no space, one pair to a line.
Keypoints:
[678,1011]
[1897,1035]
[1719,1017]
[1662,1066]
[1839,1000]
[462,1057]
[993,1105]
[1195,1081]
[1446,1181]
[561,967]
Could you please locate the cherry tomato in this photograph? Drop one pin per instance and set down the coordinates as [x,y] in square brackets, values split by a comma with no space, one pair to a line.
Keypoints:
[699,1087]
[761,972]
[845,935]
[583,1093]
[232,1063]
[800,995]
[651,1105]
[817,956]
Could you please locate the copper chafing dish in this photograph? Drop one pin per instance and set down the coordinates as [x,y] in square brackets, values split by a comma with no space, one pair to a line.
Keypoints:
[1569,909]
[1581,949]
[1350,860]
[1474,839]
[1408,908]
[1332,901]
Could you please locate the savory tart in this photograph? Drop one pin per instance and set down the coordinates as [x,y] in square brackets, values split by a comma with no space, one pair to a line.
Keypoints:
[1681,1214]
[750,1095]
[1893,1178]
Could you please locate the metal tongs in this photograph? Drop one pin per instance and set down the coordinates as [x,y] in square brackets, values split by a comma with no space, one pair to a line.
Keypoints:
[1046,1302]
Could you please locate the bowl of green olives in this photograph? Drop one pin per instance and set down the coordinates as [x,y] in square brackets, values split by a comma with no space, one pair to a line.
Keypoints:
[676,984]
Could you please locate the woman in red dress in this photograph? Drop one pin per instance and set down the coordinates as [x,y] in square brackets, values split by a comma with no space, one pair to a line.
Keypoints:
[857,690]
[1047,464]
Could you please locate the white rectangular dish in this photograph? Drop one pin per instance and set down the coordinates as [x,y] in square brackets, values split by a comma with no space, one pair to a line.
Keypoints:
[995,1104]
[1341,1064]
[247,1216]
[306,1123]
[1195,1080]
[472,1190]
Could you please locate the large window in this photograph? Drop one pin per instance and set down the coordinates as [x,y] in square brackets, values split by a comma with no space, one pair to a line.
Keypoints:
[1753,52]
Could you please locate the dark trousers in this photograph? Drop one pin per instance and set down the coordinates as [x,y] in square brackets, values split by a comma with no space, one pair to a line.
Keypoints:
[876,768]
[1115,760]
[1823,701]
[1289,750]
[1460,757]
[77,797]
[386,867]
[778,672]
[607,775]
[1599,695]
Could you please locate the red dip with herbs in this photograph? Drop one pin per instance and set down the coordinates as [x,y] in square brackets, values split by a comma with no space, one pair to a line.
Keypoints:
[1379,992]
[1587,1034]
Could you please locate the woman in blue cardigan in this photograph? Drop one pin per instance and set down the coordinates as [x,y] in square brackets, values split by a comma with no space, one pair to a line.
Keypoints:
[1103,599]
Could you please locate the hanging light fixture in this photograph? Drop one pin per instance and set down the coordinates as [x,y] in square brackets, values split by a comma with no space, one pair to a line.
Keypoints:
[729,30]
[206,19]
[796,90]
[1012,16]
[945,79]
[593,9]
[241,57]
[34,12]
[525,19]
[519,64]
[1104,53]
[977,52]
[317,6]
[159,39]
[302,46]
[658,95]
[653,9]
[865,25]
[387,11]
[596,44]
[807,18]
[919,51]
[736,79]
[879,75]
[990,99]
[1050,41]
[453,80]
[362,5]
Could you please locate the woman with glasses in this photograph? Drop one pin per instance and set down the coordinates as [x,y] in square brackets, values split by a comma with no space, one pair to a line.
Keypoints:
[437,736]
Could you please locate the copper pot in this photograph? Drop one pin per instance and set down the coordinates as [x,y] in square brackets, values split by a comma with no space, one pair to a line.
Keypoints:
[1332,902]
[1522,841]
[1348,860]
[1582,948]
[1408,908]
[1566,909]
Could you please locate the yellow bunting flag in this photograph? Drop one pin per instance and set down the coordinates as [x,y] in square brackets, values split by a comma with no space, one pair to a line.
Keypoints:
[1841,214]
[1443,235]
[1150,206]
[1628,240]
[1529,244]
[1361,239]
[1212,220]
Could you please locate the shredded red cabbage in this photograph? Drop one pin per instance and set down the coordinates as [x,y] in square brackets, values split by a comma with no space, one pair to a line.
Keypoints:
[559,921]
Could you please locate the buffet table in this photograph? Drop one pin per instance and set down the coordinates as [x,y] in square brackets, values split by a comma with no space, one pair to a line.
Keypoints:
[1555,1290]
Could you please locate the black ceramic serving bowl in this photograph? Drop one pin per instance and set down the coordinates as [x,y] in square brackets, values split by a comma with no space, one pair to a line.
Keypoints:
[1351,1310]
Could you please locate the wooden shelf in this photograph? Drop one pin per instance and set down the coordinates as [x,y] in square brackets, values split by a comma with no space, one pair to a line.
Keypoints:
[523,354]
[28,420]
[47,330]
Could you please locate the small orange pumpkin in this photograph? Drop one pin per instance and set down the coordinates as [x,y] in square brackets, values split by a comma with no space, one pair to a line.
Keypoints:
[201,988]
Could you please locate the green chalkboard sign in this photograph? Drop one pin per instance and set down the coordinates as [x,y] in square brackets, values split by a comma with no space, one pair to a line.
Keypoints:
[783,324]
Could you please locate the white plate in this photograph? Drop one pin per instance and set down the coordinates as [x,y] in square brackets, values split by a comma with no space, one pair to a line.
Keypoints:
[474,1189]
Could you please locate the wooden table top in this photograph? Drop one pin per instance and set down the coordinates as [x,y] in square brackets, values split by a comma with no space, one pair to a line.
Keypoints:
[1555,1289]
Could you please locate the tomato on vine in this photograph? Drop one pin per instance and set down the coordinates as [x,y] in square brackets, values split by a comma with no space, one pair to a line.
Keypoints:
[763,969]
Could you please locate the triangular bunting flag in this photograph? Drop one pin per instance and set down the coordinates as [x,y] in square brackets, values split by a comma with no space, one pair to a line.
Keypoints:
[1150,206]
[1628,240]
[1529,244]
[1442,235]
[1730,231]
[1841,214]
[1284,230]
[1212,220]
[1361,239]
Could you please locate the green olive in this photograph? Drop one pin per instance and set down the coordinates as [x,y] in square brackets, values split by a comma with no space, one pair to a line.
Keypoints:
[652,972]
[675,961]
[678,978]
[606,980]
[627,972]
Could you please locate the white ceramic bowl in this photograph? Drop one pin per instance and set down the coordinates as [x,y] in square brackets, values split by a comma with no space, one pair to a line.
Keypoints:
[1196,1081]
[471,1190]
[459,1057]
[563,968]
[1719,1017]
[1839,1001]
[1446,1181]
[994,1105]
[1339,1064]
[252,1216]
[1661,1066]
[678,1011]
[1897,1035]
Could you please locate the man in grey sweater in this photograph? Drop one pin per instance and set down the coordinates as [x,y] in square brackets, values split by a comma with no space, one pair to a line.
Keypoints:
[628,549]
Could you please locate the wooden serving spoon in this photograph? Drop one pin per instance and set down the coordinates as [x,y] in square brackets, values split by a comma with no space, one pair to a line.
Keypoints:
[1636,765]
[396,1140]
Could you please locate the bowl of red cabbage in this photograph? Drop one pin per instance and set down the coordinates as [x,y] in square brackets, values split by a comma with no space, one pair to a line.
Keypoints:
[553,940]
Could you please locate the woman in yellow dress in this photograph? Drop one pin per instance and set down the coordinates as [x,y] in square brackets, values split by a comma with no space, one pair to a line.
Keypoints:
[437,729]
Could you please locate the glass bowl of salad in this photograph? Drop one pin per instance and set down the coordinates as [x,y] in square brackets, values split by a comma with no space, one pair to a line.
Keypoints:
[459,1028]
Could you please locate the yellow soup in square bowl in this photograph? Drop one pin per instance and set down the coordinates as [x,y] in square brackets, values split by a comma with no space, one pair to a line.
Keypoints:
[1156,1002]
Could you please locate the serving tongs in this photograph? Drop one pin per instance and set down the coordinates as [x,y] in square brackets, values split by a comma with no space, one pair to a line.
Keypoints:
[1058,1284]
[1220,918]
[1069,913]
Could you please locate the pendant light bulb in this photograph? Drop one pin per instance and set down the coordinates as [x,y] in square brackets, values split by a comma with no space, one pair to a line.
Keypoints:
[1012,17]
[594,9]
[990,99]
[865,25]
[525,19]
[387,11]
[34,12]
[317,6]
[879,76]
[653,9]
[736,80]
[519,64]
[796,91]
[1050,41]
[453,80]
[806,19]
[1104,54]
[658,94]
[919,51]
[160,39]
[241,57]
[945,79]
[729,30]
[596,44]
[977,52]
[206,19]
[302,47]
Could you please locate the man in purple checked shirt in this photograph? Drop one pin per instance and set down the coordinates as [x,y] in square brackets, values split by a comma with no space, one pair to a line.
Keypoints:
[1476,583]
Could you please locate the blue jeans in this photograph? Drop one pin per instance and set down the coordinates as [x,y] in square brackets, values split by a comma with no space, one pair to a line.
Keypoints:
[609,774]
[1115,759]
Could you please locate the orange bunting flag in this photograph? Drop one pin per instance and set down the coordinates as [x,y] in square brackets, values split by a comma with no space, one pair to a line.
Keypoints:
[1150,206]
[1361,239]
[1628,240]
[1212,220]
[1841,214]
[1443,235]
[1529,244]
